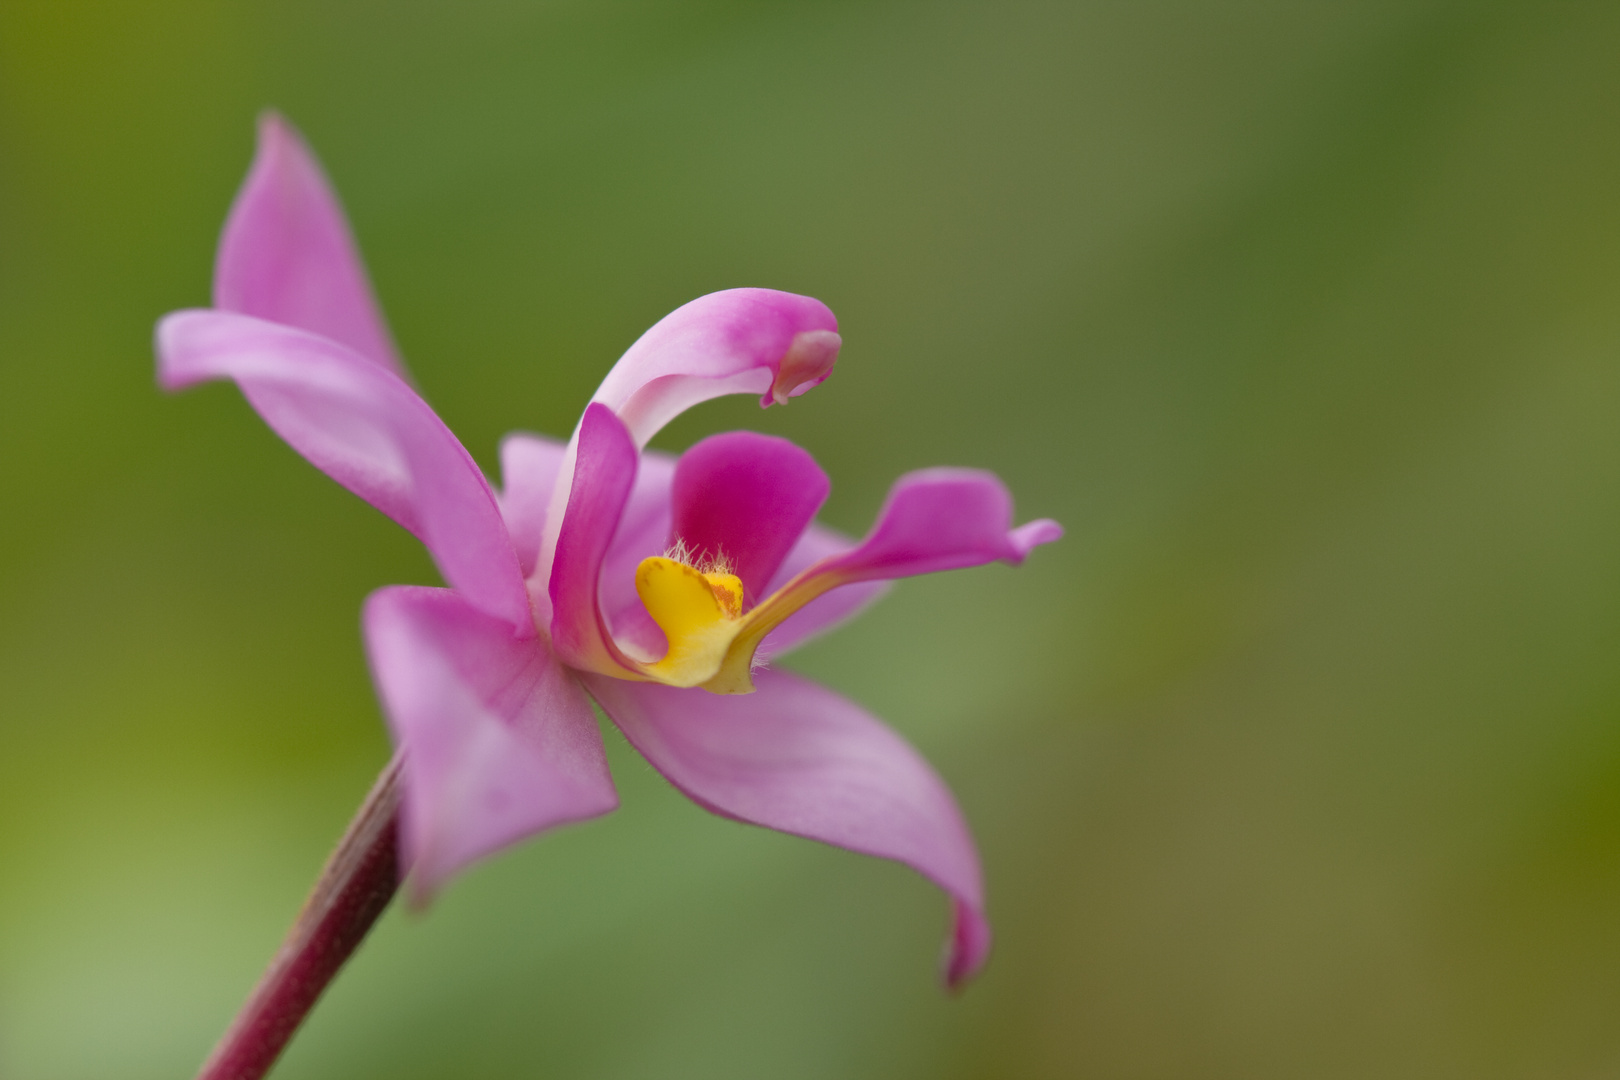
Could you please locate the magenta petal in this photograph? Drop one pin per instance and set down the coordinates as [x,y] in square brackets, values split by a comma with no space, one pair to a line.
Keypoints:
[287,254]
[941,519]
[529,467]
[827,610]
[364,427]
[740,341]
[799,758]
[643,530]
[499,739]
[746,497]
[604,474]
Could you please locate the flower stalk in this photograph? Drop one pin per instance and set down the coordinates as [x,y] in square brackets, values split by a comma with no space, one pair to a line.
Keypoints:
[354,889]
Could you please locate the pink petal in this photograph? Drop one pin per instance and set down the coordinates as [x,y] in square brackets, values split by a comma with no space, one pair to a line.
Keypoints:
[643,530]
[746,497]
[797,757]
[529,467]
[826,611]
[740,341]
[935,519]
[364,427]
[500,742]
[287,254]
[604,474]
[941,519]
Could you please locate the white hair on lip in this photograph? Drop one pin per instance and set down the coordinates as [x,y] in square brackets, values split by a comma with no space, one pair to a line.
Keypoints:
[701,561]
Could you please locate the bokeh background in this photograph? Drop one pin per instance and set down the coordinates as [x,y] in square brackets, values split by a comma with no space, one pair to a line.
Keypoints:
[1298,757]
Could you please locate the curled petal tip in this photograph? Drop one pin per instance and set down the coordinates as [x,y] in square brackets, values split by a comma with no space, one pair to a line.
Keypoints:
[967,949]
[1028,537]
[806,364]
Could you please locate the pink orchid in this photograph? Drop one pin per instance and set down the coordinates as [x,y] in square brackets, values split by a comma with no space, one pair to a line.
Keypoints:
[656,586]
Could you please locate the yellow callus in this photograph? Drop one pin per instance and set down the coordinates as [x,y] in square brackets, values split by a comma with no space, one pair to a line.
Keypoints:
[700,613]
[711,641]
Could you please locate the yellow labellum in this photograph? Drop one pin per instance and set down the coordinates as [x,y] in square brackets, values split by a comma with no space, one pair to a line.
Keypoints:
[711,641]
[699,614]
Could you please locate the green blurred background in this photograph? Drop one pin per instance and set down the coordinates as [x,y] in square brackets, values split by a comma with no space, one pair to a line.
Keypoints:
[1298,757]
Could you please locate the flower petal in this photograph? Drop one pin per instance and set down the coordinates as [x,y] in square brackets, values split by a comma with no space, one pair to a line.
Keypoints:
[604,474]
[801,759]
[941,519]
[826,611]
[747,498]
[287,254]
[499,739]
[739,341]
[529,467]
[369,431]
[643,530]
[934,520]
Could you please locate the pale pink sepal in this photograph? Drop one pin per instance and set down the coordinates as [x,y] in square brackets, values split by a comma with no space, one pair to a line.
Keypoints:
[529,467]
[796,757]
[499,739]
[287,254]
[364,427]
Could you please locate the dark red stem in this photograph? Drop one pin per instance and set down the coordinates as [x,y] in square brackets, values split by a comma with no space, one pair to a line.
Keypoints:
[354,889]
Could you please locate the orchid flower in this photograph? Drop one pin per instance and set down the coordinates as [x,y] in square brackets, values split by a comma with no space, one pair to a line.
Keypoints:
[658,587]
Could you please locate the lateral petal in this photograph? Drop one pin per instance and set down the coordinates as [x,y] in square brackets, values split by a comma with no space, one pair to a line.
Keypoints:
[941,519]
[827,611]
[500,742]
[287,254]
[934,520]
[604,474]
[643,530]
[799,758]
[365,428]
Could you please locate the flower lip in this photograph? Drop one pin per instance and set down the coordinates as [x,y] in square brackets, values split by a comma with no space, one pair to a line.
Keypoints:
[696,609]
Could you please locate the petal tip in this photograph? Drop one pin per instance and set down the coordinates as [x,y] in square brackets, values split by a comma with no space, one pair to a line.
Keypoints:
[273,126]
[174,340]
[968,947]
[806,364]
[1029,536]
[420,893]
